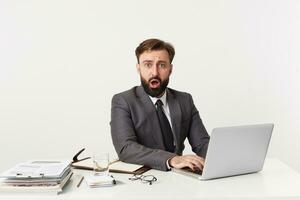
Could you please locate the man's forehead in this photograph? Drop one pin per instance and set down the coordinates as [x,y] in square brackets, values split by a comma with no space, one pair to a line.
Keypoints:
[154,55]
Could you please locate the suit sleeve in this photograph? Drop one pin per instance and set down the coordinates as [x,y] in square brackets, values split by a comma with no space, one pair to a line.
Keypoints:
[125,140]
[198,136]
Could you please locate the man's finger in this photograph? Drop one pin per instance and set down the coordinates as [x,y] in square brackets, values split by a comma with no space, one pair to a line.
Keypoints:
[195,161]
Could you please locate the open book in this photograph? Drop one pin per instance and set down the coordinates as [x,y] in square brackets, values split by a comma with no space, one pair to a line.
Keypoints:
[115,166]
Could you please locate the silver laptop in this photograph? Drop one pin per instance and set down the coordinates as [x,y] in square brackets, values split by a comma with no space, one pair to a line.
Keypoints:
[234,151]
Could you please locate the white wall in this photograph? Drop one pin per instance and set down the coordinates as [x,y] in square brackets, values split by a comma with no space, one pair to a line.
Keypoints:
[61,62]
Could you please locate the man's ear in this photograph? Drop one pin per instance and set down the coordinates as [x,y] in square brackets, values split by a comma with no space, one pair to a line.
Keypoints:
[138,67]
[171,69]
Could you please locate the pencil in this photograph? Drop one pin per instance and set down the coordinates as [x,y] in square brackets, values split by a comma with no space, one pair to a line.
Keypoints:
[80,181]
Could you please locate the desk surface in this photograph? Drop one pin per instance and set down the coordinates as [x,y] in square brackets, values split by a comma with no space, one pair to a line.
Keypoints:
[276,181]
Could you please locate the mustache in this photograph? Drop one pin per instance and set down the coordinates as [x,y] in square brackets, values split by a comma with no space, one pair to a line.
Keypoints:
[155,77]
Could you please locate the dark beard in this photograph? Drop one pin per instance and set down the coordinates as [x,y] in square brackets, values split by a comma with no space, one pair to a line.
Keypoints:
[156,92]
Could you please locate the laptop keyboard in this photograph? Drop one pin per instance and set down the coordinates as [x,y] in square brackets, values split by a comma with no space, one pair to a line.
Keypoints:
[196,170]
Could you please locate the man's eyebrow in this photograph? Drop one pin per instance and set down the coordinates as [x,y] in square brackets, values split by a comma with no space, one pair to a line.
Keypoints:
[147,61]
[162,61]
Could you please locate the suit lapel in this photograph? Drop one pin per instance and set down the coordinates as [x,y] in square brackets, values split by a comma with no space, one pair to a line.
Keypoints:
[175,113]
[151,115]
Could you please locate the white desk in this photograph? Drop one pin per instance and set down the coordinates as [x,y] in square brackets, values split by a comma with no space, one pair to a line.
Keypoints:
[276,181]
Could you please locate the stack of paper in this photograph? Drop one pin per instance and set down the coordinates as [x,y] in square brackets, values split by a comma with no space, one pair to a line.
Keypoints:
[36,176]
[100,181]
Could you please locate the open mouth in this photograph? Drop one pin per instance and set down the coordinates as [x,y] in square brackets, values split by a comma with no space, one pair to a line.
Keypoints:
[154,83]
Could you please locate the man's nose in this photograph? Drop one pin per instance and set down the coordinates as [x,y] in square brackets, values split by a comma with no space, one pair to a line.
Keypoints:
[154,70]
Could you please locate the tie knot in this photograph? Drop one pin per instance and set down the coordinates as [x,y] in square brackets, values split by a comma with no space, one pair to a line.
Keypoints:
[159,103]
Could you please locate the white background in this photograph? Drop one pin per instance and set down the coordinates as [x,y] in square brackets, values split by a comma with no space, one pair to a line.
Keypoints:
[61,62]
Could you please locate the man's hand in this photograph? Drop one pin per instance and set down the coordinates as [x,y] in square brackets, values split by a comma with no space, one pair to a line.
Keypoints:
[194,162]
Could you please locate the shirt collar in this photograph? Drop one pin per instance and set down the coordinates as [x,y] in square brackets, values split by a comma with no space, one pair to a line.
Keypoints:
[163,98]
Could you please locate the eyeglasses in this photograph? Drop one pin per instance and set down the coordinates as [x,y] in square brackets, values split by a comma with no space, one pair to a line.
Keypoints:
[145,179]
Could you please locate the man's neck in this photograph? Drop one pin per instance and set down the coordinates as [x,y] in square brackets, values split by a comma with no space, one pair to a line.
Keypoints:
[162,97]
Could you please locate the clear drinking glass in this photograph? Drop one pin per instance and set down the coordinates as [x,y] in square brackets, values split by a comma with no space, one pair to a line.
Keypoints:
[101,164]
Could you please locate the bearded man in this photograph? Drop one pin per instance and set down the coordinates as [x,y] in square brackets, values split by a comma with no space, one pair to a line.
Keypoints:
[149,123]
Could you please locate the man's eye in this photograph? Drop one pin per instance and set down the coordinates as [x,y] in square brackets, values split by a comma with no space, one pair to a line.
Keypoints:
[148,65]
[162,65]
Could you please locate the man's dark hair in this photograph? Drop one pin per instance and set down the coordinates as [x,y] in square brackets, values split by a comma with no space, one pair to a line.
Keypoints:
[152,45]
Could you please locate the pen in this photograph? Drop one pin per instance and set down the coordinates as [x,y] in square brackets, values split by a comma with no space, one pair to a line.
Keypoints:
[114,180]
[80,181]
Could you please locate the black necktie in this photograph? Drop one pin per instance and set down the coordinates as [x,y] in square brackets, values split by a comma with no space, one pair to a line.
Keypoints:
[165,127]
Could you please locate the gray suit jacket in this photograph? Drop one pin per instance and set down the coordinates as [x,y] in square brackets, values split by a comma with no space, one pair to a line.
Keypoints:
[136,132]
